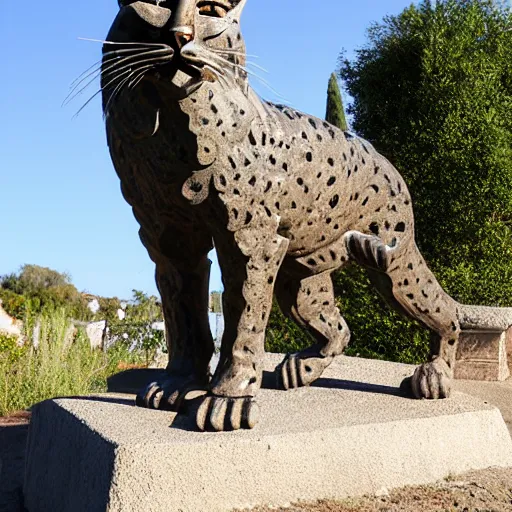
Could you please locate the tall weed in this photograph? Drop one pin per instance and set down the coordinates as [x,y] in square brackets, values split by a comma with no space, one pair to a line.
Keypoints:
[61,364]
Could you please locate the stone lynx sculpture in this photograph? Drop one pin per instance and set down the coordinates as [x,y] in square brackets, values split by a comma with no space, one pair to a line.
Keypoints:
[285,197]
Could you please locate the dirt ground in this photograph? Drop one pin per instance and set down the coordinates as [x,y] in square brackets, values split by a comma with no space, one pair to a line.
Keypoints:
[479,491]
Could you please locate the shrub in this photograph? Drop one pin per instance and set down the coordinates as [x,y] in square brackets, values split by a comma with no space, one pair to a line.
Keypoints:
[63,364]
[432,91]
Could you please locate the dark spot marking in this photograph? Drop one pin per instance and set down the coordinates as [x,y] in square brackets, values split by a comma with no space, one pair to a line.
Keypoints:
[334,201]
[374,228]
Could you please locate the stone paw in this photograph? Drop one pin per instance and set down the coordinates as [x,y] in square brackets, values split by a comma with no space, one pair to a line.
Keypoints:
[222,414]
[296,371]
[170,394]
[432,380]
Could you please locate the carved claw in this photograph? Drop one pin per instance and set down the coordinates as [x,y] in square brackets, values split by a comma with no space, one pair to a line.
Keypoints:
[168,395]
[222,414]
[432,380]
[296,371]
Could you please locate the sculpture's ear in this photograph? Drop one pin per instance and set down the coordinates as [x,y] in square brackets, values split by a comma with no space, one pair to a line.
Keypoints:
[236,12]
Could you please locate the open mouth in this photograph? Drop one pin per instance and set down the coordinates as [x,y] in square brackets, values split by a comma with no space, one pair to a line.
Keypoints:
[197,73]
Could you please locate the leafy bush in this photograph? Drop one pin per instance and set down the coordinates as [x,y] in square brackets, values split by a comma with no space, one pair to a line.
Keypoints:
[10,348]
[13,303]
[432,91]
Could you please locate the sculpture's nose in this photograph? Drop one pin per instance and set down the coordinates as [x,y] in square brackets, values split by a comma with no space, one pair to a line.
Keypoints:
[183,35]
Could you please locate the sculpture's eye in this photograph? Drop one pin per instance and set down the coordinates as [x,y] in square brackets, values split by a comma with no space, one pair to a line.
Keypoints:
[214,9]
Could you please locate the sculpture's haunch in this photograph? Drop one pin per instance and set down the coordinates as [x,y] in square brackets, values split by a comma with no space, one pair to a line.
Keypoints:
[286,197]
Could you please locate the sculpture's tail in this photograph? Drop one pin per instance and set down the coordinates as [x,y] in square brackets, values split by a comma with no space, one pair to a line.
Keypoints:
[483,318]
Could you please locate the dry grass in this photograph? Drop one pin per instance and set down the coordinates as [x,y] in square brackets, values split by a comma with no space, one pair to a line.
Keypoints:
[63,364]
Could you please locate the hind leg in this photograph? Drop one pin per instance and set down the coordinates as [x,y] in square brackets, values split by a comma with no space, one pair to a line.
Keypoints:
[403,278]
[310,304]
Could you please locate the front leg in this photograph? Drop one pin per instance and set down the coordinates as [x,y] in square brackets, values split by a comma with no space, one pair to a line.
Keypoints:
[182,277]
[249,260]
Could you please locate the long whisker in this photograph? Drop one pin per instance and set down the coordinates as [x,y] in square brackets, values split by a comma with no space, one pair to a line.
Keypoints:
[253,74]
[97,72]
[114,68]
[160,45]
[119,87]
[113,53]
[234,52]
[118,77]
[115,92]
[135,81]
[257,66]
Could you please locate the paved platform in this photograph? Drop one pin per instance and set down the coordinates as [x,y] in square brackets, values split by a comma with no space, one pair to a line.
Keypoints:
[353,433]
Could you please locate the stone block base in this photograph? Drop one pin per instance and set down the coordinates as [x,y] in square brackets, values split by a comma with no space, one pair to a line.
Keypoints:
[352,433]
[484,355]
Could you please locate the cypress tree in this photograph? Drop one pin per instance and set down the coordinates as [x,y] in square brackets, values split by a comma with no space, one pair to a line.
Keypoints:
[335,113]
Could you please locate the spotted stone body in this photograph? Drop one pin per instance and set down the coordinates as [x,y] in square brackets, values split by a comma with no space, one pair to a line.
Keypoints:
[285,197]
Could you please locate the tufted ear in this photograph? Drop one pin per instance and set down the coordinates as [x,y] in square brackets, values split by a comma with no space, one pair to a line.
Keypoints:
[236,12]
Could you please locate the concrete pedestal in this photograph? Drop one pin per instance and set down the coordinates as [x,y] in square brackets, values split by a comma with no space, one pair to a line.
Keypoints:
[353,433]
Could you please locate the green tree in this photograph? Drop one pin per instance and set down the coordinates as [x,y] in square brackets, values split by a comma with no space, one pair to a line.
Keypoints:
[335,113]
[432,91]
[33,278]
[40,288]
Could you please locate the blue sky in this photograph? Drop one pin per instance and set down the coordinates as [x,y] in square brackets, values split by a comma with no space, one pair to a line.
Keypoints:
[60,203]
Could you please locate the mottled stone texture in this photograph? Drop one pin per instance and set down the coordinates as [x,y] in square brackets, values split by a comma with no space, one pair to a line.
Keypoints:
[482,355]
[285,197]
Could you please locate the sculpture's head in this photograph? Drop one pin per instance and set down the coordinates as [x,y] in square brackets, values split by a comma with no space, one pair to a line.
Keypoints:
[186,42]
